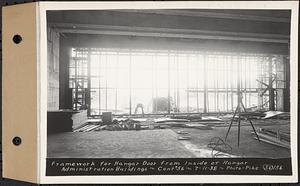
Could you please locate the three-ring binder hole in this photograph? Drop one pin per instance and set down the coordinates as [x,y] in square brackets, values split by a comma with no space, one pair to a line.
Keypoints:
[17,39]
[17,141]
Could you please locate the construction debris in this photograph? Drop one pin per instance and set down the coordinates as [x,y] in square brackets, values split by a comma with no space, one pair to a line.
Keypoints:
[219,147]
[184,137]
[190,117]
[276,114]
[199,126]
[167,120]
[279,138]
[87,128]
[182,132]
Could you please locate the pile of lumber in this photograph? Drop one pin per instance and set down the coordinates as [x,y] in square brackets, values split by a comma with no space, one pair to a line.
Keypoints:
[127,124]
[87,127]
[79,118]
[182,120]
[275,137]
[65,120]
[276,115]
[189,117]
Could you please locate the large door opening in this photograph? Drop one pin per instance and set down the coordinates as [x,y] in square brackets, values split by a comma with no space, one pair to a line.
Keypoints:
[128,82]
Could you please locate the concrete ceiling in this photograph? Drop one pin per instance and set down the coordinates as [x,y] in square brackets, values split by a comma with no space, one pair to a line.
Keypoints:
[271,26]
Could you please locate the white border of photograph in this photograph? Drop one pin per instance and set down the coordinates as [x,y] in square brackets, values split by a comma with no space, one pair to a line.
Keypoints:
[42,89]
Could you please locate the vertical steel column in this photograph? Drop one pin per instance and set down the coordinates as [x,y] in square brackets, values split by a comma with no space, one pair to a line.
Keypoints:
[174,82]
[169,94]
[231,84]
[286,97]
[106,81]
[177,76]
[238,83]
[216,86]
[187,88]
[130,83]
[117,82]
[197,80]
[239,96]
[246,72]
[88,98]
[227,84]
[99,81]
[205,82]
[76,86]
[153,79]
[271,90]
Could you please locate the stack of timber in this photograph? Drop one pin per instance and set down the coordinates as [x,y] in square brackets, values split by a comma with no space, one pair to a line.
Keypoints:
[276,115]
[79,118]
[65,120]
[114,126]
[181,120]
[189,117]
[87,127]
[275,137]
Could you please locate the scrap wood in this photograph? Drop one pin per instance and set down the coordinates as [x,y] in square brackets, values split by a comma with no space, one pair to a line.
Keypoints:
[171,124]
[94,120]
[258,114]
[83,127]
[228,116]
[145,127]
[252,115]
[166,120]
[137,120]
[182,132]
[210,118]
[272,140]
[92,128]
[273,114]
[88,128]
[79,127]
[278,134]
[100,128]
[210,122]
[175,125]
[199,126]
[184,137]
[189,117]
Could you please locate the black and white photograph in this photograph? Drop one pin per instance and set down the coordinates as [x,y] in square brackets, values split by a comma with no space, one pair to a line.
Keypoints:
[168,84]
[150,92]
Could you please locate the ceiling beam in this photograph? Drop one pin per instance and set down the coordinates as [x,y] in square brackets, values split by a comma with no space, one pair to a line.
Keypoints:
[168,32]
[218,15]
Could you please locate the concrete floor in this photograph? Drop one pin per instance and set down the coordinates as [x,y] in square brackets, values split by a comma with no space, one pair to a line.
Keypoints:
[117,144]
[249,147]
[158,143]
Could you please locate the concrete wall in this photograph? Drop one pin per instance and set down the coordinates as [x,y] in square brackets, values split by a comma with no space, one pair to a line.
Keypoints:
[53,69]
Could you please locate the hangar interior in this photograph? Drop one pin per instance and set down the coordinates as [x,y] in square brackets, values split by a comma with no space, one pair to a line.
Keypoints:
[168,83]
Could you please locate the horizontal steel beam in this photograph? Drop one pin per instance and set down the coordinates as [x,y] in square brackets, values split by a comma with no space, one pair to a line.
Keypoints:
[219,15]
[168,32]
